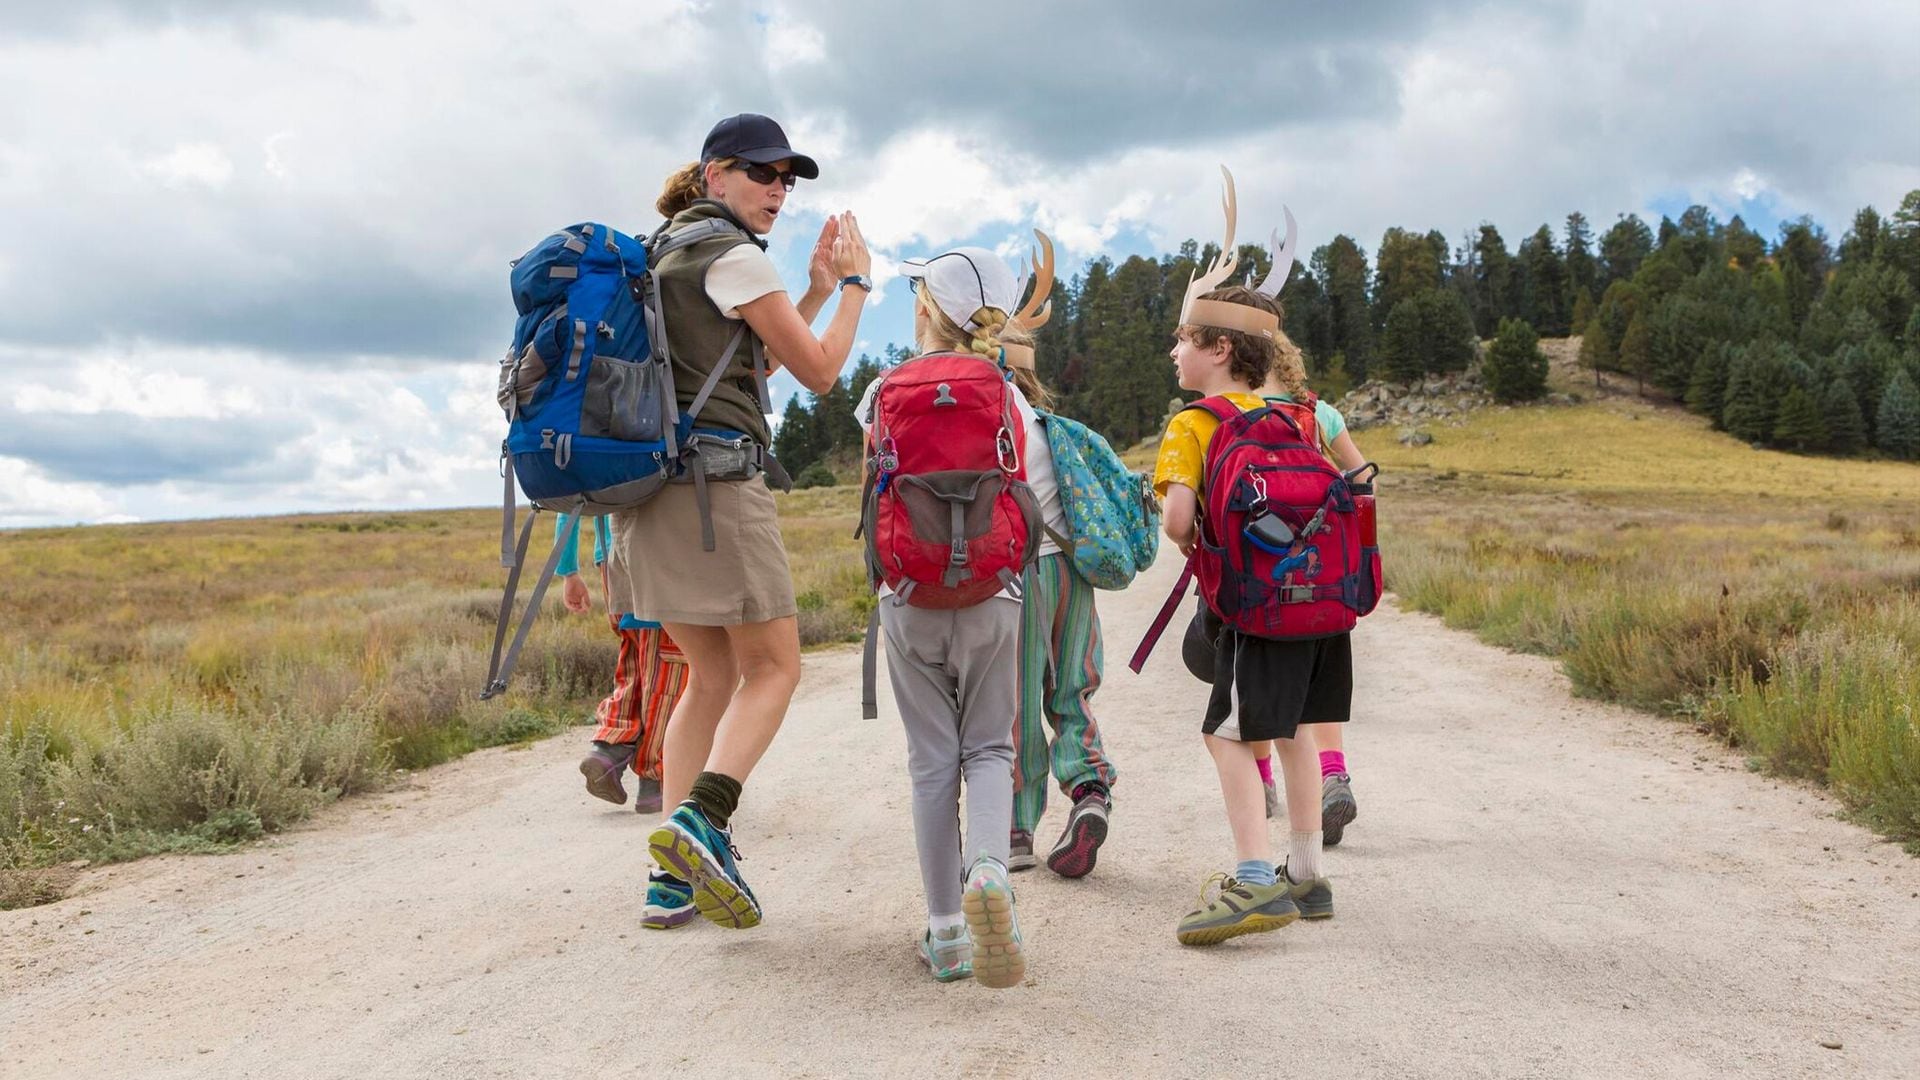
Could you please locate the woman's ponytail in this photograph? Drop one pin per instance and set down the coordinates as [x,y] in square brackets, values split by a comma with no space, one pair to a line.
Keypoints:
[687,183]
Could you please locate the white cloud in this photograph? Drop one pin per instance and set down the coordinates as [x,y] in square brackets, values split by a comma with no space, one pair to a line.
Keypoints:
[30,498]
[790,42]
[190,164]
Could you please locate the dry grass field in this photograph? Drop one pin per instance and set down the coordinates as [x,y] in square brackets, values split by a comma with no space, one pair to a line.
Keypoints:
[190,685]
[1773,599]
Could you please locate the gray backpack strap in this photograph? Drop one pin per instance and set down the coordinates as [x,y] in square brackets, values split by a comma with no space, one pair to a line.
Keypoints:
[701,500]
[1066,543]
[761,369]
[719,369]
[507,557]
[869,688]
[500,669]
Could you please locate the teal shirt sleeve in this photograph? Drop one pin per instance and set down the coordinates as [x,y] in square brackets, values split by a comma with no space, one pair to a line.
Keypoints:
[602,539]
[567,536]
[1330,420]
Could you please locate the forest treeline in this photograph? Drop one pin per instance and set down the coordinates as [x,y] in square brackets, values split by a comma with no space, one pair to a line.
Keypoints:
[1794,342]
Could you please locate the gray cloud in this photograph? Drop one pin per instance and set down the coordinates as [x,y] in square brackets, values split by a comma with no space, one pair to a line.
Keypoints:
[35,18]
[118,449]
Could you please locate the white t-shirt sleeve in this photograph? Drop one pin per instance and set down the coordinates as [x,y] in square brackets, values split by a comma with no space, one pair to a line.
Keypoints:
[1040,474]
[741,276]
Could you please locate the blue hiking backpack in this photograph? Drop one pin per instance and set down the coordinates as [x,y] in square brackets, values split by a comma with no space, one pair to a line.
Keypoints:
[1113,521]
[594,424]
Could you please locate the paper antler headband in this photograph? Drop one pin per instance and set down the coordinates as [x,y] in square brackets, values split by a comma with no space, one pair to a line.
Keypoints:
[1038,309]
[1222,313]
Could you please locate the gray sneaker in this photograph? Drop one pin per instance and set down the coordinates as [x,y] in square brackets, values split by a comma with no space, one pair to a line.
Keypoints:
[603,766]
[1337,808]
[1020,854]
[1079,845]
[646,795]
[1314,898]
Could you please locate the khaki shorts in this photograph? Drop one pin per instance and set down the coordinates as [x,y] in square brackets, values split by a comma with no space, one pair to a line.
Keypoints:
[745,579]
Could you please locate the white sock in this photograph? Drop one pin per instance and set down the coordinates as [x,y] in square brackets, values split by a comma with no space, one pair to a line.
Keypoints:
[946,926]
[1303,856]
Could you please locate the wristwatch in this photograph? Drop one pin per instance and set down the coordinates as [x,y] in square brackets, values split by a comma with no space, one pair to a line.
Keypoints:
[861,280]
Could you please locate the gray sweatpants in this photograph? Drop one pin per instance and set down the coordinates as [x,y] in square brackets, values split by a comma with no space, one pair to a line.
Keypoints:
[956,679]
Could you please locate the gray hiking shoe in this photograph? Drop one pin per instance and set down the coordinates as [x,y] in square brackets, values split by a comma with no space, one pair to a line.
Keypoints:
[603,767]
[646,795]
[1020,854]
[1337,808]
[1314,898]
[1236,909]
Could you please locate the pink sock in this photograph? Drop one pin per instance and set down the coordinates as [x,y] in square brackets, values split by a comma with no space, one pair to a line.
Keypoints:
[1331,762]
[1266,769]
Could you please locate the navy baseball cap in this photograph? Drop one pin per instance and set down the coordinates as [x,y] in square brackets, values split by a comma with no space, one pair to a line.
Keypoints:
[758,140]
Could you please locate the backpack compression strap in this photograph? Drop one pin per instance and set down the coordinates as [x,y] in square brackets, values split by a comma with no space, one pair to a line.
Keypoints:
[1160,621]
[499,670]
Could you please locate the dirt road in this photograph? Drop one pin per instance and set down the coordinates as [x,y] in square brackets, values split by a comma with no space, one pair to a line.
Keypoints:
[1536,886]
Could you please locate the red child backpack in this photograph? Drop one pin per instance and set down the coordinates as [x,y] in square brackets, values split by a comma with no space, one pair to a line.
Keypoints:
[1285,550]
[948,516]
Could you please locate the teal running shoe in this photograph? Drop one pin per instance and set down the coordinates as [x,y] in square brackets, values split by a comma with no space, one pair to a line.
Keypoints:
[999,956]
[669,902]
[689,847]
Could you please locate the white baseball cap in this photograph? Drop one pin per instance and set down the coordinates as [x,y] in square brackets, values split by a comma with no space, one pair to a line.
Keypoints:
[965,280]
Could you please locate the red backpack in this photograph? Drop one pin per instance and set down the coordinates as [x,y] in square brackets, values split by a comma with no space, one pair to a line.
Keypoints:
[1286,548]
[948,516]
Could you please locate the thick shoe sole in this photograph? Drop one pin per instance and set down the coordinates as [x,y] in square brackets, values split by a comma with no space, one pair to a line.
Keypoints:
[604,783]
[1253,923]
[716,897]
[1017,863]
[1080,849]
[1334,819]
[999,959]
[667,919]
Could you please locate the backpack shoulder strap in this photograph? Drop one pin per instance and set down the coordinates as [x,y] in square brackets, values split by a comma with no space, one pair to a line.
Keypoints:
[1217,406]
[669,240]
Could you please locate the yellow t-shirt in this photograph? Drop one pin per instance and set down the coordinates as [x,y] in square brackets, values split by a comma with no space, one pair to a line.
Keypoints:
[1183,449]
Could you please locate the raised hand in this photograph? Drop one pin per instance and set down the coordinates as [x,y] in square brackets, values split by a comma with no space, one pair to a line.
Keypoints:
[850,254]
[820,272]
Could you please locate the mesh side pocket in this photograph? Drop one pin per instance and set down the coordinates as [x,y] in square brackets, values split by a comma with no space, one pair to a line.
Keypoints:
[622,400]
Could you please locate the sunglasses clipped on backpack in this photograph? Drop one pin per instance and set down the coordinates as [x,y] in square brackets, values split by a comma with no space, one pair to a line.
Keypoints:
[767,174]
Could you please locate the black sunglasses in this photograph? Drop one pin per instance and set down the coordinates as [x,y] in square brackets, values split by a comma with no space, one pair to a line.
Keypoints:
[766,174]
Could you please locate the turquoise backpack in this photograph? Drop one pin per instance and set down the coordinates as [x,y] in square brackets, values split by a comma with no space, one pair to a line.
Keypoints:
[1113,521]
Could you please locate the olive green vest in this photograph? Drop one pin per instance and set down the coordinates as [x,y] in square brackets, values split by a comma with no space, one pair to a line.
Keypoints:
[697,333]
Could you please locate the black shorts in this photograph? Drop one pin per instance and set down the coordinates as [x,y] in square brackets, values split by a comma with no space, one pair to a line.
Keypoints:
[1266,689]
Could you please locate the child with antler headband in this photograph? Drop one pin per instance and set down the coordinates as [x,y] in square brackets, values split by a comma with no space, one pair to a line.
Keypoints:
[1227,345]
[1060,649]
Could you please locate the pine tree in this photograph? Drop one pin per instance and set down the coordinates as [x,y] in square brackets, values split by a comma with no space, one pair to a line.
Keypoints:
[1406,266]
[1583,308]
[1582,272]
[793,444]
[1596,349]
[1622,248]
[1751,406]
[1846,428]
[1543,299]
[1800,425]
[1493,280]
[1402,350]
[1515,368]
[1898,428]
[1636,351]
[1707,387]
[1342,266]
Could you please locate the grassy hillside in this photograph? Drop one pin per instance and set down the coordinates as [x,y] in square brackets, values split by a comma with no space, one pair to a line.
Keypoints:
[1771,598]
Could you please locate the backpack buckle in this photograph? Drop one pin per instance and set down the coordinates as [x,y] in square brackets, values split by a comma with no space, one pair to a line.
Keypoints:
[1004,449]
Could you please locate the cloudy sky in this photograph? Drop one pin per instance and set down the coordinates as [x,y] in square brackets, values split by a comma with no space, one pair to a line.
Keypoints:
[253,253]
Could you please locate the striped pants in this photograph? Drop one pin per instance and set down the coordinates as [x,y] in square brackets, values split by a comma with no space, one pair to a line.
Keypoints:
[1059,671]
[648,679]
